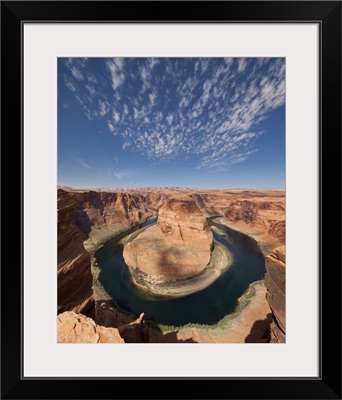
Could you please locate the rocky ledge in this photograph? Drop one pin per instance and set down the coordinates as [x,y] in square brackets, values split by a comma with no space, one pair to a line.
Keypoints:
[77,328]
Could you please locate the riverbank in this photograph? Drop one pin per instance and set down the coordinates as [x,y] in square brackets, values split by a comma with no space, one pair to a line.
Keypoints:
[123,234]
[249,323]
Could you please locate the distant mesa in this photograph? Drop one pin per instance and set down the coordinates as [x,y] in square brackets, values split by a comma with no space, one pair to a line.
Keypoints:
[179,246]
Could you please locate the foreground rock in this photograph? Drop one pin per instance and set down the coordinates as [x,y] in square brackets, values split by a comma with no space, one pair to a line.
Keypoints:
[136,331]
[76,328]
[178,247]
[275,284]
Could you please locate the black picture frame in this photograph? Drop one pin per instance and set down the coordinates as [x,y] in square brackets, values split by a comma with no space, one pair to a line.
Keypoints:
[328,15]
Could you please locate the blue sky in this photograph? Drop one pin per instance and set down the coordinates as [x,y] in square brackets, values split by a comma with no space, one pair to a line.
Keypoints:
[157,122]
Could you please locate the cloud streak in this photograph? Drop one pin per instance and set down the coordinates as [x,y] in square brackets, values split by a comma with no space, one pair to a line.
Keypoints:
[81,162]
[125,173]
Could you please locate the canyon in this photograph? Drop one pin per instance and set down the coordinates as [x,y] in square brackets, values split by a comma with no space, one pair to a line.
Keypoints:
[87,219]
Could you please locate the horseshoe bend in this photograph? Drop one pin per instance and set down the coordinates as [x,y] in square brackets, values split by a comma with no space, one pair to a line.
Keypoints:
[171,265]
[176,256]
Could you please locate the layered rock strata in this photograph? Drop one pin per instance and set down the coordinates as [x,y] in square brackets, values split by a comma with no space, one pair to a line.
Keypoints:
[178,247]
[73,271]
[85,219]
[275,295]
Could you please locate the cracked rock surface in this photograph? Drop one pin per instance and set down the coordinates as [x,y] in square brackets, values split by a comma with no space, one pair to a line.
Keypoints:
[76,328]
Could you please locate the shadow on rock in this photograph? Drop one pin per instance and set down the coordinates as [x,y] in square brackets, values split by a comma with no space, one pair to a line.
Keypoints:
[260,331]
[171,337]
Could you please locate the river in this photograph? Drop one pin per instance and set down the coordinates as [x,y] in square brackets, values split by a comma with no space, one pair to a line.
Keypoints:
[205,307]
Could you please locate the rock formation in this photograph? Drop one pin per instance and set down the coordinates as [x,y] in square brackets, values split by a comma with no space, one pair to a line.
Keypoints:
[73,271]
[102,214]
[136,331]
[266,219]
[245,211]
[179,246]
[76,328]
[275,284]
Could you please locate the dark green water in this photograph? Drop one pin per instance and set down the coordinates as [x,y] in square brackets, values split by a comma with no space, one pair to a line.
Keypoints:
[205,307]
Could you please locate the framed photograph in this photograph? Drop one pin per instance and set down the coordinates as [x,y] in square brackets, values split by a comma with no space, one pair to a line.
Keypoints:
[171,198]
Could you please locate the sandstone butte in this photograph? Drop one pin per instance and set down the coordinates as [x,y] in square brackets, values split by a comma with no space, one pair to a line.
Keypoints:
[178,247]
[86,218]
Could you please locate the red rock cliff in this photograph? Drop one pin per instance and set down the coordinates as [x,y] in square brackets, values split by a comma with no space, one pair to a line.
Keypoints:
[73,272]
[87,217]
[275,295]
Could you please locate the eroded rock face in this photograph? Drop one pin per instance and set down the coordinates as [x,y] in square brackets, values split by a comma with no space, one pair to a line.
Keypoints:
[74,274]
[179,245]
[266,219]
[84,219]
[275,284]
[245,211]
[76,328]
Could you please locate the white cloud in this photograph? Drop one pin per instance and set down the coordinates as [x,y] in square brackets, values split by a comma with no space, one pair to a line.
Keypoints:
[69,84]
[81,162]
[115,67]
[91,89]
[126,144]
[241,64]
[152,97]
[116,116]
[111,127]
[153,62]
[92,78]
[169,119]
[103,108]
[76,73]
[126,173]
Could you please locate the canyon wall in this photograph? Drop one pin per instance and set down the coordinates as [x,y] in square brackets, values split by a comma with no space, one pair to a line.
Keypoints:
[275,295]
[85,218]
[103,214]
[257,213]
[73,271]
